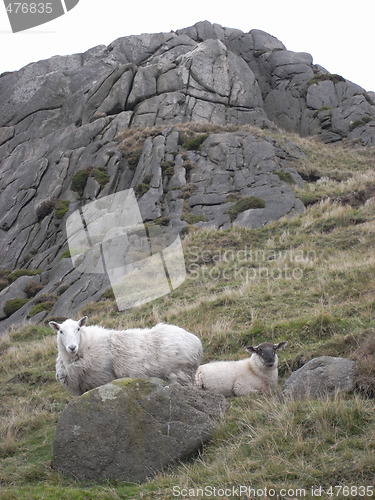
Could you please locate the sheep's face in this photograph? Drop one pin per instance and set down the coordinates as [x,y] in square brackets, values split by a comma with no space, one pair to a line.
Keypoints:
[267,352]
[69,334]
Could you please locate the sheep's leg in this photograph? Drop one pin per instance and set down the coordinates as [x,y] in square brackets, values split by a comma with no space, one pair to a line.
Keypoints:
[242,387]
[61,374]
[62,377]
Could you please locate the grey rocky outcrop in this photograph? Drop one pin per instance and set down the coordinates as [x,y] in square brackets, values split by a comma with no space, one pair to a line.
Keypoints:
[202,73]
[321,377]
[132,429]
[298,95]
[174,185]
[229,166]
[76,113]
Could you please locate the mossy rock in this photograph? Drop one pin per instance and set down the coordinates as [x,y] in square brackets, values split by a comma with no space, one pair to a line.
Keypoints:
[141,189]
[66,254]
[167,168]
[101,176]
[321,110]
[80,178]
[133,159]
[322,77]
[244,204]
[22,272]
[362,122]
[79,182]
[43,306]
[61,208]
[160,221]
[12,305]
[161,424]
[193,219]
[195,143]
[286,177]
[108,294]
[320,377]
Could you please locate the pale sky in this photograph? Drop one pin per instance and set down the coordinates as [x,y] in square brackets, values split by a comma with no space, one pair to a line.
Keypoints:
[339,35]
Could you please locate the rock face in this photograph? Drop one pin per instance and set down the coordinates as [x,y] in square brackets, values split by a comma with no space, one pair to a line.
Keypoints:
[321,377]
[131,429]
[176,183]
[119,116]
[206,184]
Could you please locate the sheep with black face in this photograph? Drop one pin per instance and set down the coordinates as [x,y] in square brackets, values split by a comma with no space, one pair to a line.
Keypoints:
[258,374]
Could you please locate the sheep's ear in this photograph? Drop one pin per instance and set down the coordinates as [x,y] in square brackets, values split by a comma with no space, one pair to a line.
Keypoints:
[251,349]
[280,345]
[82,321]
[54,325]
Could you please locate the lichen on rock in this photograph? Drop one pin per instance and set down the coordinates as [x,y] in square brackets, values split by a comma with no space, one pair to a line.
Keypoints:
[131,429]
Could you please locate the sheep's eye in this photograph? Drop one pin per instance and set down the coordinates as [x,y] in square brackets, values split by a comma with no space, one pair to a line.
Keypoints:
[61,332]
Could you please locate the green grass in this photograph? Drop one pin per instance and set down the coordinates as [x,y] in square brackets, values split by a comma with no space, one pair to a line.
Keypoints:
[190,218]
[13,276]
[194,144]
[167,169]
[360,123]
[286,177]
[141,189]
[101,176]
[61,208]
[66,254]
[79,181]
[309,280]
[321,77]
[43,306]
[12,305]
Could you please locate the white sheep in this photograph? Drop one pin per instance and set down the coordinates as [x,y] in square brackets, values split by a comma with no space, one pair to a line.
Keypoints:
[90,356]
[236,378]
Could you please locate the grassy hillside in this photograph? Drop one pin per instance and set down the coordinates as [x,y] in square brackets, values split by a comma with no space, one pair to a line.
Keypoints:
[309,280]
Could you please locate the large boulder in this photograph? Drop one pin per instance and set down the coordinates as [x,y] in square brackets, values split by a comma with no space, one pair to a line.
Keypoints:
[131,429]
[320,377]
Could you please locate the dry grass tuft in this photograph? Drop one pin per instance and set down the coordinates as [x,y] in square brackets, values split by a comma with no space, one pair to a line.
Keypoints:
[364,357]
